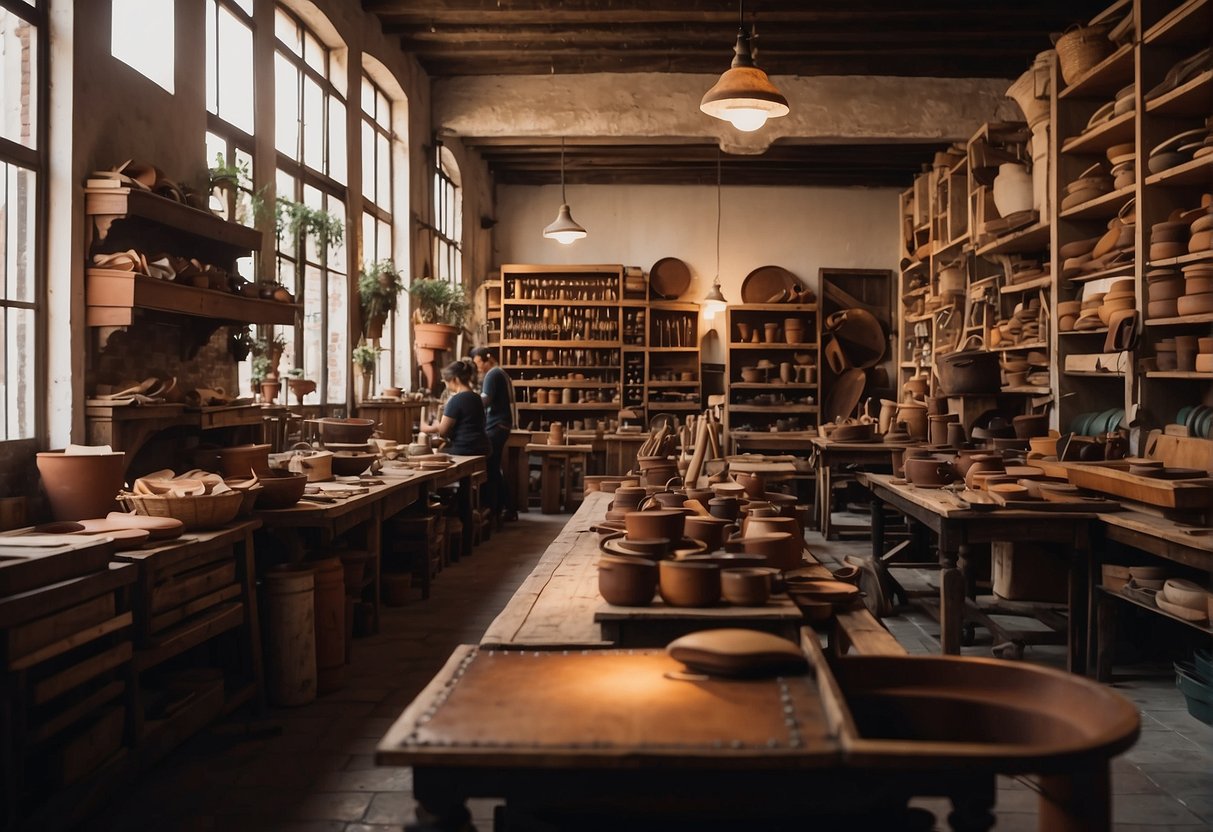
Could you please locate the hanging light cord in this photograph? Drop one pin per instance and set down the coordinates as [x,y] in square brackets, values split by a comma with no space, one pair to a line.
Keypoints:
[718,214]
[563,201]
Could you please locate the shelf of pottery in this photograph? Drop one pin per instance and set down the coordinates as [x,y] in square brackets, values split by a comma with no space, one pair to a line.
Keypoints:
[771,369]
[673,359]
[562,340]
[1135,228]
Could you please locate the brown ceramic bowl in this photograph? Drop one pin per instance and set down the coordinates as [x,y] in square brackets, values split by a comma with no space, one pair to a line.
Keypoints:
[1169,289]
[689,583]
[1009,490]
[834,592]
[346,431]
[713,531]
[280,489]
[746,587]
[241,460]
[1195,304]
[648,525]
[627,582]
[1032,424]
[1162,308]
[781,549]
[351,463]
[931,471]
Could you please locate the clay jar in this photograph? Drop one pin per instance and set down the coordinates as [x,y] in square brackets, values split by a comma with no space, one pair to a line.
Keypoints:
[754,484]
[627,582]
[743,331]
[914,415]
[1185,352]
[930,470]
[888,409]
[713,531]
[670,499]
[724,508]
[81,486]
[771,332]
[746,587]
[782,550]
[647,525]
[938,427]
[241,460]
[689,583]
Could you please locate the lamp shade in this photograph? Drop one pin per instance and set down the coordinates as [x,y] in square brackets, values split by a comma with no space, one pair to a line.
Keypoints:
[744,96]
[713,302]
[564,229]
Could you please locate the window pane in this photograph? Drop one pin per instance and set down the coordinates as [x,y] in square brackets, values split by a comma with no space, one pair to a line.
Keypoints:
[287,31]
[142,36]
[369,254]
[312,348]
[313,125]
[368,97]
[286,106]
[285,185]
[212,59]
[336,253]
[17,220]
[216,155]
[383,170]
[337,152]
[235,72]
[368,162]
[244,197]
[17,382]
[246,5]
[337,73]
[383,112]
[18,80]
[338,343]
[313,52]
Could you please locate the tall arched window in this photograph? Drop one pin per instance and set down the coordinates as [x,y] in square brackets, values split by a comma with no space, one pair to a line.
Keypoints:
[229,106]
[448,219]
[310,137]
[377,180]
[23,89]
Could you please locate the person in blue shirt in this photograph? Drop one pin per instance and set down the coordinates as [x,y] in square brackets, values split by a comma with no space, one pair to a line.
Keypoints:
[462,423]
[497,391]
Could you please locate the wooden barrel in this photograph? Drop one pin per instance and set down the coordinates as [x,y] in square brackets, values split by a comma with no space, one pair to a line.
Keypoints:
[330,624]
[290,645]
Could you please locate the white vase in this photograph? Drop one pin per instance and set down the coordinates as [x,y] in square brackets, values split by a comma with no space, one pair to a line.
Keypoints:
[1012,189]
[1031,90]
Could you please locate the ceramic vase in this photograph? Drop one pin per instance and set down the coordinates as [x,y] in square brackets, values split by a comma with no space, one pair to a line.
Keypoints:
[1012,189]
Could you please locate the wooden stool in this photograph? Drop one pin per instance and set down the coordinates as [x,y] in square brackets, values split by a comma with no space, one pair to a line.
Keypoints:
[556,475]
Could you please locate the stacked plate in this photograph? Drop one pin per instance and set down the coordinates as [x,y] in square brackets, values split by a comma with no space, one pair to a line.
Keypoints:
[1197,298]
[1097,422]
[1091,184]
[1120,296]
[1164,287]
[1198,419]
[1201,224]
[1180,149]
[1075,255]
[1088,316]
[1124,164]
[1169,238]
[1067,314]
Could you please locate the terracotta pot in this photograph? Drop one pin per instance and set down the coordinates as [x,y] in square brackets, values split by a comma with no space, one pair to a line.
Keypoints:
[1032,424]
[771,332]
[743,332]
[689,583]
[435,336]
[969,371]
[931,470]
[937,427]
[241,460]
[956,435]
[670,499]
[270,390]
[627,582]
[1012,189]
[746,587]
[647,525]
[81,486]
[280,489]
[713,531]
[888,409]
[725,508]
[782,549]
[346,431]
[914,416]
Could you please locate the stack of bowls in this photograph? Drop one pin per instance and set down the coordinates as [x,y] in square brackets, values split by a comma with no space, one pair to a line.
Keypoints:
[1074,255]
[1088,317]
[1164,287]
[1120,296]
[1197,298]
[1204,355]
[1091,184]
[1201,228]
[1168,239]
[1067,314]
[1164,354]
[627,498]
[1177,149]
[1124,163]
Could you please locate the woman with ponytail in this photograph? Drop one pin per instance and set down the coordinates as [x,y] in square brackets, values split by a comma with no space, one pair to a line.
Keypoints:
[462,423]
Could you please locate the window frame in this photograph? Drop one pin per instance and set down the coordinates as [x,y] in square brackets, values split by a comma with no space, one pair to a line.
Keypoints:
[236,138]
[36,160]
[303,177]
[444,245]
[380,214]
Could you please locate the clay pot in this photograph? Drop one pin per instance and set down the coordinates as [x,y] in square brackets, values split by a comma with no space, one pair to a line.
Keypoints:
[937,427]
[929,470]
[647,525]
[747,587]
[241,460]
[713,531]
[1012,189]
[627,582]
[346,431]
[743,331]
[725,508]
[755,526]
[81,486]
[754,485]
[1185,352]
[884,421]
[782,550]
[280,489]
[689,583]
[956,435]
[670,499]
[914,415]
[1031,424]
[771,332]
[627,497]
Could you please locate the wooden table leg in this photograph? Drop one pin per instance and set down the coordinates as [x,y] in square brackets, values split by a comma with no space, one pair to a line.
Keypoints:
[1078,801]
[549,485]
[247,569]
[374,545]
[826,498]
[877,508]
[972,808]
[951,599]
[464,504]
[1078,601]
[1103,636]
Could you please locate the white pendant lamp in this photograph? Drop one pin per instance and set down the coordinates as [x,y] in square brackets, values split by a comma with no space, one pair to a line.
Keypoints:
[564,229]
[744,96]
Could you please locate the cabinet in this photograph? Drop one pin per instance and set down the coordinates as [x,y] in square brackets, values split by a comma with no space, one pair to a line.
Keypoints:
[771,378]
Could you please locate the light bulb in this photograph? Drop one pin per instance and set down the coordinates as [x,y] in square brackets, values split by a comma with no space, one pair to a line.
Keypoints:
[746,119]
[567,237]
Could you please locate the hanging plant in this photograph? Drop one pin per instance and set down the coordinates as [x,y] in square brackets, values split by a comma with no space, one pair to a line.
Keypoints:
[366,357]
[438,302]
[239,342]
[299,220]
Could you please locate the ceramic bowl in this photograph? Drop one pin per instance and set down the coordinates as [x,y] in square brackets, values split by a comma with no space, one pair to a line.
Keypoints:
[834,592]
[746,587]
[1009,490]
[1162,308]
[1195,304]
[627,582]
[650,525]
[689,583]
[280,489]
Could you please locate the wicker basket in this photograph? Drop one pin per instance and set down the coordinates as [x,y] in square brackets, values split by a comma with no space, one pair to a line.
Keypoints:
[1080,49]
[205,511]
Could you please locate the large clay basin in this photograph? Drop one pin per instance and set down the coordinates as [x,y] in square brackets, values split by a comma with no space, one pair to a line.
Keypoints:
[241,460]
[689,583]
[781,549]
[1026,717]
[81,486]
[647,525]
[627,582]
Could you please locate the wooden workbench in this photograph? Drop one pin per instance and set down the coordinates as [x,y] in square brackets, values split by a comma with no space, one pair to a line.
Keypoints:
[829,456]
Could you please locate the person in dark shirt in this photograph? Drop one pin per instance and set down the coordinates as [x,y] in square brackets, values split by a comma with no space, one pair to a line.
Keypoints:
[462,423]
[497,391]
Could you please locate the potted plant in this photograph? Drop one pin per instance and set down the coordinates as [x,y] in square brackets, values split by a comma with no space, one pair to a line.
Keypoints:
[366,359]
[239,342]
[271,349]
[439,309]
[299,385]
[379,289]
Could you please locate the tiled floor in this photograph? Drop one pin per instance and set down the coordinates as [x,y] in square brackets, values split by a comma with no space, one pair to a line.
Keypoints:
[311,768]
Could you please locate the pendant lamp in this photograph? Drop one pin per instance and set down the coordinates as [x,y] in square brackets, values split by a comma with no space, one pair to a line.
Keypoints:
[564,229]
[714,302]
[744,96]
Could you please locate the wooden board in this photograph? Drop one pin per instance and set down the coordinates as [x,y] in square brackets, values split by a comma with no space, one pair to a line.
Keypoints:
[1180,451]
[23,569]
[1114,478]
[1078,504]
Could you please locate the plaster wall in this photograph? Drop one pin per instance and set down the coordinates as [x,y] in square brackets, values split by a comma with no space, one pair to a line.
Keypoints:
[801,229]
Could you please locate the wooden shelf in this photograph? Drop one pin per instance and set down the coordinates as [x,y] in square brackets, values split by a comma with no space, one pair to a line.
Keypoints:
[579,368]
[1190,99]
[1038,345]
[1100,331]
[670,384]
[769,385]
[1043,282]
[776,346]
[1087,374]
[1123,270]
[1105,78]
[582,383]
[1185,259]
[1186,24]
[572,406]
[1095,141]
[572,345]
[595,303]
[1197,172]
[105,205]
[792,435]
[654,348]
[773,408]
[773,307]
[1186,320]
[112,297]
[1033,238]
[1180,374]
[658,405]
[1196,625]
[1027,391]
[1101,208]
